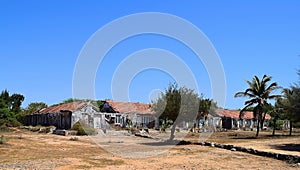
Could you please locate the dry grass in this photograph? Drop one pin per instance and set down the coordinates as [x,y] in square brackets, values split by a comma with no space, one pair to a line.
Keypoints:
[265,141]
[46,151]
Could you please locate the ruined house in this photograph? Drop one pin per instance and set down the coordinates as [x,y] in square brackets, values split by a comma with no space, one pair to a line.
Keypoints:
[231,119]
[64,116]
[138,114]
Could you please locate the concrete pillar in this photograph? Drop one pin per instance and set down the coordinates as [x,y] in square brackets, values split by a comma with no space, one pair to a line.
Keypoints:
[244,123]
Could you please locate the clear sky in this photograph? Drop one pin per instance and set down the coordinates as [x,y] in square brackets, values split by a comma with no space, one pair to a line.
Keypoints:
[40,42]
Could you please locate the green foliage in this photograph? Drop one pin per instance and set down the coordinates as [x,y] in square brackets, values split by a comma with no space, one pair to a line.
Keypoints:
[83,129]
[259,93]
[279,124]
[290,104]
[74,138]
[4,128]
[3,139]
[70,100]
[291,101]
[16,102]
[178,104]
[10,107]
[35,107]
[206,106]
[165,124]
[31,108]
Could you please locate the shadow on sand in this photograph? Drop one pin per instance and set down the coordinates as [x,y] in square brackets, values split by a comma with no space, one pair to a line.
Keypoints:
[167,143]
[259,136]
[287,147]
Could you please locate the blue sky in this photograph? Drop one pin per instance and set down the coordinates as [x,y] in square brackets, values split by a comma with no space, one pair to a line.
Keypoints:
[41,40]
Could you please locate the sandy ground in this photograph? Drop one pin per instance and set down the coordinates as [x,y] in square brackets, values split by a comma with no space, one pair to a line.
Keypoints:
[265,142]
[32,150]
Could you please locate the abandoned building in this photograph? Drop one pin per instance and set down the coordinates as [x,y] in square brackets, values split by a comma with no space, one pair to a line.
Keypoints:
[123,114]
[228,119]
[231,119]
[131,114]
[136,114]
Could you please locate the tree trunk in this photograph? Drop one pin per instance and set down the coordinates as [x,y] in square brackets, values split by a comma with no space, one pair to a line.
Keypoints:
[262,121]
[274,127]
[291,128]
[257,131]
[197,122]
[172,136]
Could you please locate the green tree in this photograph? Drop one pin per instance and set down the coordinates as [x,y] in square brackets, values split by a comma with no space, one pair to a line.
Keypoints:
[206,106]
[16,102]
[290,103]
[34,107]
[176,104]
[31,108]
[10,106]
[276,114]
[259,92]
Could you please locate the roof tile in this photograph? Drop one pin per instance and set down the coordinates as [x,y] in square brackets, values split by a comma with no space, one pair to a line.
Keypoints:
[130,107]
[57,108]
[236,113]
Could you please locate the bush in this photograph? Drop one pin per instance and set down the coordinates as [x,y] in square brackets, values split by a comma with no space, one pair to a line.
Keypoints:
[4,128]
[279,124]
[83,129]
[3,139]
[74,139]
[10,122]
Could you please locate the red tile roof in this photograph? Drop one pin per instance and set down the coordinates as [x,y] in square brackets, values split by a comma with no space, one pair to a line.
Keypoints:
[68,106]
[236,113]
[130,107]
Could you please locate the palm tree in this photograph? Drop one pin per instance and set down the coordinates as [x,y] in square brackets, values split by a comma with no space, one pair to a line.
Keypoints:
[258,93]
[206,106]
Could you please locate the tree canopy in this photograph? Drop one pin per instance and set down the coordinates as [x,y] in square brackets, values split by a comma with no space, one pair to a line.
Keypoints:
[180,104]
[259,92]
[10,107]
[35,106]
[290,103]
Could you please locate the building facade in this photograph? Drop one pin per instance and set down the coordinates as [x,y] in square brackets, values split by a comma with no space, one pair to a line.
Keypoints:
[112,113]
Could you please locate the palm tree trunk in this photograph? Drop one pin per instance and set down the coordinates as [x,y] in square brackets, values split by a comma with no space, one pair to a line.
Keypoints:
[262,121]
[274,127]
[257,130]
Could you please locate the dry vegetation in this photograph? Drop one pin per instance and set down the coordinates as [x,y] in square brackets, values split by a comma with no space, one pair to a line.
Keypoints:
[31,150]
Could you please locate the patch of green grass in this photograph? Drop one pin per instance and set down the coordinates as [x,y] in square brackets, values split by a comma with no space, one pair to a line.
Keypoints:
[3,139]
[4,128]
[83,129]
[74,138]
